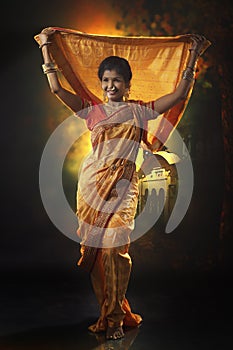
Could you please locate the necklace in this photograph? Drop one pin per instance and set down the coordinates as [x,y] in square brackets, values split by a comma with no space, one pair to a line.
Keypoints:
[111,108]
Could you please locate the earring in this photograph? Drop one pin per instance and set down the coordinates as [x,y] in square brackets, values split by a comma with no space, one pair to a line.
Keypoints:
[105,97]
[126,95]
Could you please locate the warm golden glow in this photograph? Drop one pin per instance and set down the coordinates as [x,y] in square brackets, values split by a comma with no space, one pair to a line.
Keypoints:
[95,17]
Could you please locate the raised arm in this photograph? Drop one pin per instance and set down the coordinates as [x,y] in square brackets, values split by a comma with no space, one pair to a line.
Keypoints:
[166,102]
[67,97]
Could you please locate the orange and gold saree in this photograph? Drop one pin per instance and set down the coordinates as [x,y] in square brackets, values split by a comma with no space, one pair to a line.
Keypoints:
[107,200]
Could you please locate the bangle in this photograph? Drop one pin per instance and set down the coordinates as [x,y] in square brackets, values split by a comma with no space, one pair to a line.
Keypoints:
[49,67]
[190,68]
[197,52]
[187,75]
[45,44]
[50,71]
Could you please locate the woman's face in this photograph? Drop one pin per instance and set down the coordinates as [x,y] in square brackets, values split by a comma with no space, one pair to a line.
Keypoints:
[113,84]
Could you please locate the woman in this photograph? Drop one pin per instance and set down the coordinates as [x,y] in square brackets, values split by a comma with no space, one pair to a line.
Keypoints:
[107,189]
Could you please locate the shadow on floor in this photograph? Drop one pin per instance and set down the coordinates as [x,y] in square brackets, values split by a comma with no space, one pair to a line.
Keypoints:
[51,312]
[161,336]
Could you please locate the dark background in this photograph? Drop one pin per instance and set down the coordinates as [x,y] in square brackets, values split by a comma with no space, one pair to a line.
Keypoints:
[176,278]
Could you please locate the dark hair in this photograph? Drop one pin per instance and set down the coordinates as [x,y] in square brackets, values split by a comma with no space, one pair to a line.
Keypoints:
[119,64]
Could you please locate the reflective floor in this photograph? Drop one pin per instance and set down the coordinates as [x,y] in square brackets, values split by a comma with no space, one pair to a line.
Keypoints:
[51,310]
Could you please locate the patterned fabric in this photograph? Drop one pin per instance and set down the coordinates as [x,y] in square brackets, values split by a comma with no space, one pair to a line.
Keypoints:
[106,212]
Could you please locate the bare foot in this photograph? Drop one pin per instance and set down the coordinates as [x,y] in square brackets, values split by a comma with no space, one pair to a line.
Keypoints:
[114,333]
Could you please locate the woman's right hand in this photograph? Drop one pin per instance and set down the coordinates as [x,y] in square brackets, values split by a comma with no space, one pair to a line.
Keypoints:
[44,35]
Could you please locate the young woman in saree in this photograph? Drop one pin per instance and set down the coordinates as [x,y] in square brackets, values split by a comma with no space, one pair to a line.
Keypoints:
[107,193]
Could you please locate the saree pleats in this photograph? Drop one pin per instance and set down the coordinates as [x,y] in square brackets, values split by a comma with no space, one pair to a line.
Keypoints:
[110,277]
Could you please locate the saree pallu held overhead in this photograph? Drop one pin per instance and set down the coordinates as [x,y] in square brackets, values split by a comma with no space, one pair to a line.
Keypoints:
[157,64]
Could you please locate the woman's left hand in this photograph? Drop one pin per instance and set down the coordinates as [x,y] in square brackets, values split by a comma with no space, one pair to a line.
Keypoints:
[198,43]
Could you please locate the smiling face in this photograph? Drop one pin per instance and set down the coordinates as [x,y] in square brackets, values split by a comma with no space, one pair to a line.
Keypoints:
[114,86]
